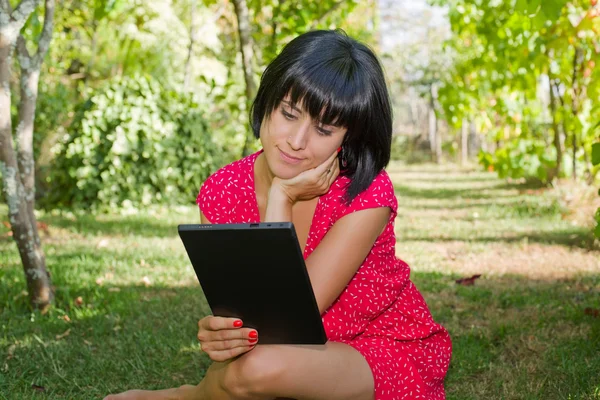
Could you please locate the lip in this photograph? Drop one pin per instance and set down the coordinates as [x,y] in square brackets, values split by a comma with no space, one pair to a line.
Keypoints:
[288,158]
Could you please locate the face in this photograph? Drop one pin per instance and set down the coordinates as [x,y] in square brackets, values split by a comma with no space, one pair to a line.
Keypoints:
[293,142]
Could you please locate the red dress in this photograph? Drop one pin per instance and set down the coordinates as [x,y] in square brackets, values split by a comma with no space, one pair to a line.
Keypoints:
[380,313]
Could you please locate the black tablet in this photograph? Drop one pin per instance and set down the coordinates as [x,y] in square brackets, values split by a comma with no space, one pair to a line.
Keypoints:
[256,272]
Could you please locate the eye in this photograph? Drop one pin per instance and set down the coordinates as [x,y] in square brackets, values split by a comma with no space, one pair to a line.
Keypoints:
[323,132]
[287,115]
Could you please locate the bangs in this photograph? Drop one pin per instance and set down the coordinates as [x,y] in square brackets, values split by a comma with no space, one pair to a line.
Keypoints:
[340,82]
[331,91]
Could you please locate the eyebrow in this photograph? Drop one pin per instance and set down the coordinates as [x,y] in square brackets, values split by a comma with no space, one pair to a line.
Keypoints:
[300,111]
[290,104]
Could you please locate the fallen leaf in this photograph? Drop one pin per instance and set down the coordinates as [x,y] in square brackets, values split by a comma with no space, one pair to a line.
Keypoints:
[79,301]
[64,334]
[114,289]
[66,318]
[87,342]
[468,281]
[23,293]
[11,351]
[6,224]
[42,226]
[38,388]
[594,312]
[117,328]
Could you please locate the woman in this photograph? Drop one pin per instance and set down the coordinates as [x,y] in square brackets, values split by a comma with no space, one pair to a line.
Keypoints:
[323,116]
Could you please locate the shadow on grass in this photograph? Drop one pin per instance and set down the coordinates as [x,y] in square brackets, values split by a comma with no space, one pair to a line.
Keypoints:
[579,238]
[119,225]
[144,337]
[407,176]
[118,338]
[492,192]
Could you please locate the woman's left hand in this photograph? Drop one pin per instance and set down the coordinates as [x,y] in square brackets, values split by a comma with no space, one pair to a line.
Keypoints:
[308,184]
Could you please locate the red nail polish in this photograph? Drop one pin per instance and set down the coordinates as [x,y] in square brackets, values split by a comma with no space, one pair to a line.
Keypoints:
[238,324]
[339,149]
[253,335]
[252,340]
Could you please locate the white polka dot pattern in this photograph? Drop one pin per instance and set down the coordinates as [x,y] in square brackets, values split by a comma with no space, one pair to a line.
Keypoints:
[380,313]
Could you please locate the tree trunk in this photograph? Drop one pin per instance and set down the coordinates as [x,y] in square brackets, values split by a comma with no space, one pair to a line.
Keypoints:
[193,38]
[243,22]
[557,140]
[18,170]
[578,59]
[464,142]
[435,141]
[476,144]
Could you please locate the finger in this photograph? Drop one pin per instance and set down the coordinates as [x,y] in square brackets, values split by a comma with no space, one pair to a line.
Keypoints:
[226,334]
[227,344]
[225,355]
[333,174]
[323,167]
[335,171]
[230,334]
[212,323]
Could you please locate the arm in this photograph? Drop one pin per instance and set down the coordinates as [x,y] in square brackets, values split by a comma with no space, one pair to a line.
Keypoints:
[341,252]
[203,219]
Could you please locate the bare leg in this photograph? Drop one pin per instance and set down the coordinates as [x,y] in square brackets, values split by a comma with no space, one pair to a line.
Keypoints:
[329,372]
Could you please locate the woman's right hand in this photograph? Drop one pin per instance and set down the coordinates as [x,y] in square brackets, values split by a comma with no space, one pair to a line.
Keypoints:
[225,338]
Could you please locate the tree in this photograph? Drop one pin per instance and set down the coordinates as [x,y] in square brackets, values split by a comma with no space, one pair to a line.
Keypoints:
[246,49]
[17,165]
[525,72]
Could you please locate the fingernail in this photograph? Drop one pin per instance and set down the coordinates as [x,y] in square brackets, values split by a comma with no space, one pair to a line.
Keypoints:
[252,340]
[253,335]
[238,324]
[339,149]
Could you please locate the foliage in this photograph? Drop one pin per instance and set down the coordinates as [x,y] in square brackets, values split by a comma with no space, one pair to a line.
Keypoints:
[133,143]
[596,162]
[520,158]
[152,39]
[508,56]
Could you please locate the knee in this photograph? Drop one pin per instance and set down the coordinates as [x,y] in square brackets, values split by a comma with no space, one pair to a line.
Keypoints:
[254,374]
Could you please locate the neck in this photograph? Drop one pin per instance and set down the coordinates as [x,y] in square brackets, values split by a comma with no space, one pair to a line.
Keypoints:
[263,173]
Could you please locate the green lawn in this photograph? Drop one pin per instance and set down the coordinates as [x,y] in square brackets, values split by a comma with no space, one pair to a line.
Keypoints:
[127,301]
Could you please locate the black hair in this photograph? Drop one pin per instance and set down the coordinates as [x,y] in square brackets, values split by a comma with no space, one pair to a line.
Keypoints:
[340,82]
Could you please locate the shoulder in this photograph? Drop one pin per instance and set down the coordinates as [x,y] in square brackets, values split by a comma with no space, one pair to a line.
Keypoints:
[226,182]
[380,193]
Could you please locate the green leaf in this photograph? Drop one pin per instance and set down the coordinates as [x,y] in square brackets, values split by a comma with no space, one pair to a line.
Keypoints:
[521,6]
[533,7]
[553,9]
[596,153]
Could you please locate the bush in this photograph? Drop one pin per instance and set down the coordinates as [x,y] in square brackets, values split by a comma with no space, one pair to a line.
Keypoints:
[596,161]
[133,143]
[410,149]
[521,158]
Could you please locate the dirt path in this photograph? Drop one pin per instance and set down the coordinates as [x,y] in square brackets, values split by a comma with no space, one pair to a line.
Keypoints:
[470,222]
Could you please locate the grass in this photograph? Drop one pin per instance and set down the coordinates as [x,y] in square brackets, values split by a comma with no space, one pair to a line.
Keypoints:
[127,300]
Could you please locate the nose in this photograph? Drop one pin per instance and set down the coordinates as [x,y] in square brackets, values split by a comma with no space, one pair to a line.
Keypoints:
[297,140]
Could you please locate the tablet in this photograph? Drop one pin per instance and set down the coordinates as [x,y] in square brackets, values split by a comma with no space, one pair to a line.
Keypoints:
[256,272]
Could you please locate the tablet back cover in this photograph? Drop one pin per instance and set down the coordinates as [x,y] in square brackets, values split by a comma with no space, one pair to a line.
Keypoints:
[256,272]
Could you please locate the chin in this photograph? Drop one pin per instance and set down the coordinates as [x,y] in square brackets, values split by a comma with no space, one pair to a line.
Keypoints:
[285,173]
